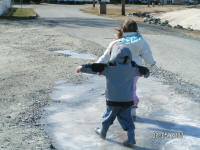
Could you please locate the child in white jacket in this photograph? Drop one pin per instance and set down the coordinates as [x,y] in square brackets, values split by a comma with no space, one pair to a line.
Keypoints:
[129,36]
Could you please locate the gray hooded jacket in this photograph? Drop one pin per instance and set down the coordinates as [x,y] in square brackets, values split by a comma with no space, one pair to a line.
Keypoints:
[119,73]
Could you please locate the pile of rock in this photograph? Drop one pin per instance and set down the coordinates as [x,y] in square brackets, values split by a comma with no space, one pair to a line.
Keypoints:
[153,20]
[139,14]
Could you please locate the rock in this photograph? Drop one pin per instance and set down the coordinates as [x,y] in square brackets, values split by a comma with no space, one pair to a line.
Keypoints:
[168,25]
[151,19]
[154,22]
[178,26]
[130,14]
[135,14]
[139,14]
[166,22]
[190,29]
[145,14]
[163,24]
[146,19]
[148,15]
[157,20]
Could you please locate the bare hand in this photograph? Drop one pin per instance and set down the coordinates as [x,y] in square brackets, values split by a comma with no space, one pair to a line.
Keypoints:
[78,69]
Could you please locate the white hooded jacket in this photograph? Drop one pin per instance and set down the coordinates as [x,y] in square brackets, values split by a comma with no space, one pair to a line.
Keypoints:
[138,46]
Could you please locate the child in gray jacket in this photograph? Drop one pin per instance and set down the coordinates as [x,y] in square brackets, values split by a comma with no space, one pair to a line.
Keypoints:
[119,73]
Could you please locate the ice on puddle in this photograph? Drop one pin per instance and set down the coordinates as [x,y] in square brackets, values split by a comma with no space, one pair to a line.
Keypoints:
[71,122]
[73,54]
[187,143]
[65,97]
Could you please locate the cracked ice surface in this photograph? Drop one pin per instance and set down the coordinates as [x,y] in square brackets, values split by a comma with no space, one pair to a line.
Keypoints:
[77,110]
[73,54]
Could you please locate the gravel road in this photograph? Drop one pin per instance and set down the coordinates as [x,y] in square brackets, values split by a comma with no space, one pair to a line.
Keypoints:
[30,68]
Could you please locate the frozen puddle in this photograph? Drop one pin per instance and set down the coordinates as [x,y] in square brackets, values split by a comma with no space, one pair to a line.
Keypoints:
[166,121]
[73,54]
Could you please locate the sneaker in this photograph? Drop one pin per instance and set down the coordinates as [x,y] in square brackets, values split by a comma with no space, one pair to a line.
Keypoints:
[129,144]
[98,131]
[133,113]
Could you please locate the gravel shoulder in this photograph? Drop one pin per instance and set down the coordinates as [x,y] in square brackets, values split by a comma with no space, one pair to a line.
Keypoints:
[30,69]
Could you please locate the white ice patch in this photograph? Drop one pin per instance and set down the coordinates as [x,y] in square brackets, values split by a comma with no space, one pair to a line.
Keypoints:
[73,54]
[187,143]
[78,108]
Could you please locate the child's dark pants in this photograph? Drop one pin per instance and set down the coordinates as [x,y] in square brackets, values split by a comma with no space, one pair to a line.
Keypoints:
[123,115]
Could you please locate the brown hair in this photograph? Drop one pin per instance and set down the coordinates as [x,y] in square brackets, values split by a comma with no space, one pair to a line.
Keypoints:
[128,26]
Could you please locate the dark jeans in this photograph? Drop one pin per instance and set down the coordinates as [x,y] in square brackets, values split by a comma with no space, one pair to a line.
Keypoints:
[123,115]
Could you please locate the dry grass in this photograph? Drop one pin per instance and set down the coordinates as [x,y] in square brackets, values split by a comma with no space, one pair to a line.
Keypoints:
[114,11]
[20,13]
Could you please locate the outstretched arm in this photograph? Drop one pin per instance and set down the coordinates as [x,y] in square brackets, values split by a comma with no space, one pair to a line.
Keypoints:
[147,54]
[91,68]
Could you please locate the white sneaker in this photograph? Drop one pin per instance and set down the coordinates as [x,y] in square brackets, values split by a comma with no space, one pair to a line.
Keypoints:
[98,131]
[133,113]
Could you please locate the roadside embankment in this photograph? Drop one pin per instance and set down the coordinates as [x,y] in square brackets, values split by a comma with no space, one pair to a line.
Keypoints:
[20,13]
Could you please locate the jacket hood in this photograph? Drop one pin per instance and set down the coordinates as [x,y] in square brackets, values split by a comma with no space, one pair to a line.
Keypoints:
[121,55]
[131,37]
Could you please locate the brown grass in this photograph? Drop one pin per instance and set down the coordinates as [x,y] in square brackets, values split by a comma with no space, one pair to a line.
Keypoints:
[21,12]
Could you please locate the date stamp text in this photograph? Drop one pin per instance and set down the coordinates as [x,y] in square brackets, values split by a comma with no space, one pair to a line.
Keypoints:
[163,135]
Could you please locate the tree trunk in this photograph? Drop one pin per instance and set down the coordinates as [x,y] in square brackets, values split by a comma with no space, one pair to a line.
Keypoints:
[148,3]
[123,7]
[102,8]
[93,3]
